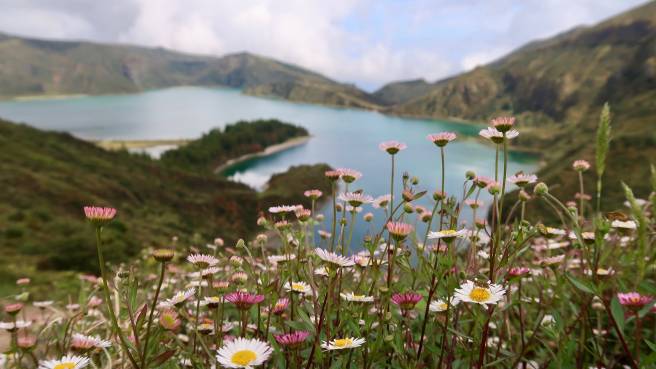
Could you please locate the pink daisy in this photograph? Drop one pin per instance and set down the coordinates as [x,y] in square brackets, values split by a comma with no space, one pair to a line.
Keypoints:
[244,300]
[406,300]
[291,340]
[99,215]
[392,147]
[442,138]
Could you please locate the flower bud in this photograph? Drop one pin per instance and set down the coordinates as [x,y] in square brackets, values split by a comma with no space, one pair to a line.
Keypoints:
[541,189]
[470,175]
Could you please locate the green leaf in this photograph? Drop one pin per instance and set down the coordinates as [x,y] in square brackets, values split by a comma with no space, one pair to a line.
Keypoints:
[651,345]
[583,286]
[617,311]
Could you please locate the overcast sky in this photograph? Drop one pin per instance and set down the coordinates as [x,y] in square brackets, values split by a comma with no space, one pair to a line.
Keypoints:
[368,42]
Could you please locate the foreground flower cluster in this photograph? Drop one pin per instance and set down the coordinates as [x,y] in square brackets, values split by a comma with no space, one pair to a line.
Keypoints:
[455,293]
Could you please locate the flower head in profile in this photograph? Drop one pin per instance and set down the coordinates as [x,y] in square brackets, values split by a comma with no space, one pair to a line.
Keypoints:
[392,147]
[581,165]
[99,216]
[351,297]
[292,340]
[244,300]
[179,298]
[503,124]
[489,293]
[202,260]
[441,139]
[522,180]
[399,230]
[243,353]
[349,175]
[333,258]
[355,198]
[448,235]
[313,194]
[342,343]
[298,287]
[284,209]
[518,271]
[80,342]
[280,306]
[66,362]
[14,326]
[497,136]
[440,305]
[381,201]
[634,300]
[406,300]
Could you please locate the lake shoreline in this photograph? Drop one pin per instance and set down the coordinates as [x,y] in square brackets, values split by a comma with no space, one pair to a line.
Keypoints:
[269,150]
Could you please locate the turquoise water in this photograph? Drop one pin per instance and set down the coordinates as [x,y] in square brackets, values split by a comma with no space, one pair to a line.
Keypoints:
[340,137]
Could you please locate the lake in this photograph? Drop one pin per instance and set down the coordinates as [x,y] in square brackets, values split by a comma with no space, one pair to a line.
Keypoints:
[340,137]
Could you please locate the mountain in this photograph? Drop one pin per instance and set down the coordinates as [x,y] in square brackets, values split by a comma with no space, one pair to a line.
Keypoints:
[44,67]
[556,88]
[47,177]
[400,92]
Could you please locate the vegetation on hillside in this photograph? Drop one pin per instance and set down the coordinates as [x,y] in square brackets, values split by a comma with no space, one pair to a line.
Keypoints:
[47,177]
[578,292]
[218,146]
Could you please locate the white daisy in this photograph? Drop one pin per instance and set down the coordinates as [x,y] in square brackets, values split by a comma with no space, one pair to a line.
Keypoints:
[284,209]
[42,304]
[440,305]
[298,287]
[66,362]
[331,257]
[629,224]
[355,199]
[381,201]
[351,297]
[180,297]
[80,341]
[321,271]
[342,343]
[448,234]
[275,259]
[470,292]
[202,260]
[243,353]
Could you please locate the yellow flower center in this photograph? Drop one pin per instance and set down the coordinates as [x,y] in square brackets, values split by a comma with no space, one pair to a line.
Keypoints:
[442,306]
[449,232]
[243,357]
[67,365]
[343,342]
[298,287]
[479,294]
[358,296]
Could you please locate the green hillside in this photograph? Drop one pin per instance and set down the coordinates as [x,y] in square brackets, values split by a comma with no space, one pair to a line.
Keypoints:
[47,178]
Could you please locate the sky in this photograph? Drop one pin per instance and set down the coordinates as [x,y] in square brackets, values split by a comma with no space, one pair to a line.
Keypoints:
[366,42]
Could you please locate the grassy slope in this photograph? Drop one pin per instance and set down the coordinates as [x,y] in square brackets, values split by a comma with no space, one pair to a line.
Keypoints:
[48,177]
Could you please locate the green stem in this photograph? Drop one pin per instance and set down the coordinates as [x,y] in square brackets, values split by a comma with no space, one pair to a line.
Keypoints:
[144,355]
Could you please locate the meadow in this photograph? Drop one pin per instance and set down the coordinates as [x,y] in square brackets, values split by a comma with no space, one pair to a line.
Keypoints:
[495,290]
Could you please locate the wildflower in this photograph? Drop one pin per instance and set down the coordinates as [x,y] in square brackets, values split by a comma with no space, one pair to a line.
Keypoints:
[406,300]
[275,259]
[163,255]
[474,204]
[333,258]
[321,271]
[494,188]
[392,147]
[553,260]
[169,320]
[368,217]
[26,342]
[399,230]
[13,309]
[209,272]
[521,180]
[448,235]
[94,302]
[497,136]
[284,209]
[312,194]
[206,328]
[239,277]
[43,304]
[244,300]
[13,326]
[80,342]
[349,175]
[212,302]
[470,292]
[180,298]
[202,260]
[332,175]
[291,340]
[634,300]
[503,124]
[243,353]
[482,181]
[342,343]
[351,297]
[298,287]
[280,306]
[518,271]
[99,216]
[22,281]
[441,139]
[624,225]
[303,214]
[324,234]
[381,201]
[66,362]
[440,305]
[580,165]
[355,199]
